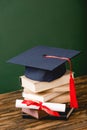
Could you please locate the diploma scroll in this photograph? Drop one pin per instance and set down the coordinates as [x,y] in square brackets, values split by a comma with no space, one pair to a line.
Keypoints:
[53,106]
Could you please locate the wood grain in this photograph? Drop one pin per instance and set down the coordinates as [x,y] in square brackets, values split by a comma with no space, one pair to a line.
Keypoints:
[11,119]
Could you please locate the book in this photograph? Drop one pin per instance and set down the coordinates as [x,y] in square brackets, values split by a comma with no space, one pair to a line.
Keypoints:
[41,96]
[59,89]
[63,98]
[39,114]
[42,86]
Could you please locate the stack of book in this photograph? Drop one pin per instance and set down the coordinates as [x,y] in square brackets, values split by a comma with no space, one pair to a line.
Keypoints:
[55,92]
[46,82]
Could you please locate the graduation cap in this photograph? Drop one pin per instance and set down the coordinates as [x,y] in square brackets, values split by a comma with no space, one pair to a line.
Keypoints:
[45,63]
[37,67]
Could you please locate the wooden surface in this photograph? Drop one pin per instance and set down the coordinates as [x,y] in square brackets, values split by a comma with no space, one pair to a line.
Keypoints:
[11,119]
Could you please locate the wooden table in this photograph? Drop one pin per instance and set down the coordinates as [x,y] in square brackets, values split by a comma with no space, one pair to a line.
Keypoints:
[11,119]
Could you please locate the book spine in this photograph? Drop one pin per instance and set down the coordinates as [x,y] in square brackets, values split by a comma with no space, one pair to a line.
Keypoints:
[27,84]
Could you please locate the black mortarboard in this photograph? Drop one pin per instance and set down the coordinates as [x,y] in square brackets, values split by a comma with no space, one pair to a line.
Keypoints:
[37,67]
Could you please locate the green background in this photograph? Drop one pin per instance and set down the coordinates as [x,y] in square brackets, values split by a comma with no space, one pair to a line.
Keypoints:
[28,23]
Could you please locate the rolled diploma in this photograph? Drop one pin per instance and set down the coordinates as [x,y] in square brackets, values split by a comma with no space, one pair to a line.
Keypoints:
[53,106]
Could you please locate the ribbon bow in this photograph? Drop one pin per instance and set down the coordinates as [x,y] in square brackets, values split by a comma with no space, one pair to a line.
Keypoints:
[41,107]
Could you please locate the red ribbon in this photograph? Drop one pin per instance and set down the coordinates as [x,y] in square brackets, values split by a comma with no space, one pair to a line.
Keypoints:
[41,107]
[73,99]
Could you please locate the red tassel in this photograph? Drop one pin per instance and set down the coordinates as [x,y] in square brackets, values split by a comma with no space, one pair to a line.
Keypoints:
[73,99]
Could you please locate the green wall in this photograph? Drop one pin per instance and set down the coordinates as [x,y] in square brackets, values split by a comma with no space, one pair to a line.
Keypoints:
[27,23]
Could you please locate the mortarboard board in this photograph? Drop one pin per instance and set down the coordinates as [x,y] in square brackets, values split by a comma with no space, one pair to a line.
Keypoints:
[37,67]
[45,63]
